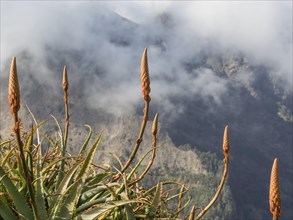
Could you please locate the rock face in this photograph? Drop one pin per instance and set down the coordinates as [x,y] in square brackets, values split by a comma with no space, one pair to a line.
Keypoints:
[120,137]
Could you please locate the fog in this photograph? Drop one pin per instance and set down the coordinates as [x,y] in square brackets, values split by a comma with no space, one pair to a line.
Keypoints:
[109,48]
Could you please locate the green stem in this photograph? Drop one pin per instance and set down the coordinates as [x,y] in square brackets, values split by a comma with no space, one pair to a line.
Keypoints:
[220,187]
[150,162]
[191,214]
[275,217]
[64,141]
[138,141]
[66,120]
[24,165]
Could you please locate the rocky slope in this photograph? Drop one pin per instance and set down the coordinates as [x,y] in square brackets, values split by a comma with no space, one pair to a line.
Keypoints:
[200,172]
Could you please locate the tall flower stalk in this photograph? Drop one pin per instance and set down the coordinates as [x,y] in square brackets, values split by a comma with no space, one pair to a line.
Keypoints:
[14,102]
[226,148]
[145,84]
[64,140]
[65,89]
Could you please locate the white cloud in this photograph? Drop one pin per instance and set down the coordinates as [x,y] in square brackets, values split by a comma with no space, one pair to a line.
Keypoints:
[261,30]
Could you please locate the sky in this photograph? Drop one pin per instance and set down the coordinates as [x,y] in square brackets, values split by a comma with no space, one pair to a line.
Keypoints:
[175,33]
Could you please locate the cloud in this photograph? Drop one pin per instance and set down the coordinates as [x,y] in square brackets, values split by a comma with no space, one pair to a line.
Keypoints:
[262,29]
[104,50]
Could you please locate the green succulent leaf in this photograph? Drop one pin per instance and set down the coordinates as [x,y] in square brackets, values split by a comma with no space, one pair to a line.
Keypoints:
[129,212]
[157,198]
[28,140]
[63,187]
[89,158]
[8,155]
[40,198]
[66,205]
[89,204]
[82,150]
[100,210]
[19,202]
[92,181]
[63,151]
[6,212]
[5,142]
[91,193]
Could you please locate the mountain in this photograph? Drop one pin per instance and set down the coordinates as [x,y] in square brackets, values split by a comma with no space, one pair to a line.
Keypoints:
[196,96]
[260,131]
[200,172]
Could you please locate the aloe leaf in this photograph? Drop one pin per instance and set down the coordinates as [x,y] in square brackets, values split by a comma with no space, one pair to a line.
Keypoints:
[5,142]
[48,168]
[89,204]
[37,124]
[51,141]
[122,187]
[6,212]
[100,210]
[66,206]
[91,193]
[91,182]
[31,133]
[138,164]
[184,207]
[63,187]
[129,212]
[50,179]
[89,158]
[60,131]
[19,202]
[30,165]
[8,155]
[156,201]
[82,150]
[40,198]
[20,172]
[63,151]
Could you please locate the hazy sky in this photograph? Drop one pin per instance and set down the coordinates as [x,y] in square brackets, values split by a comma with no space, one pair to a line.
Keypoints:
[262,30]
